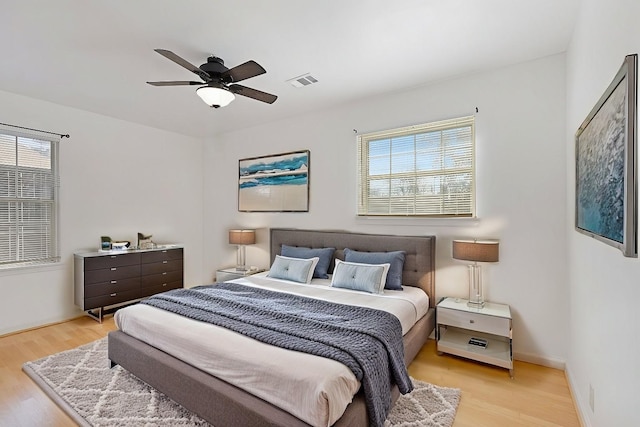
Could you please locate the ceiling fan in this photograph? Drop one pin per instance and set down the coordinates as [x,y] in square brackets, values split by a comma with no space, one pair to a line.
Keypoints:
[219,81]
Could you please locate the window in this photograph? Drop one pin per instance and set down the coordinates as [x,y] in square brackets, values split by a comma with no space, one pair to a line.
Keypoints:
[28,200]
[423,170]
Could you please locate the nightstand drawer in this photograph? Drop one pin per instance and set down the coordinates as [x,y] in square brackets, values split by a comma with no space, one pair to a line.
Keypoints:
[475,321]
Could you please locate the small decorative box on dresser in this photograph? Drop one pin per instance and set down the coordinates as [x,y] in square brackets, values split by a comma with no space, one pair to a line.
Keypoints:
[104,279]
[230,273]
[482,334]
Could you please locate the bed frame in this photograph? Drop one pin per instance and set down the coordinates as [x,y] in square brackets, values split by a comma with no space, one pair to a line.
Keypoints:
[223,404]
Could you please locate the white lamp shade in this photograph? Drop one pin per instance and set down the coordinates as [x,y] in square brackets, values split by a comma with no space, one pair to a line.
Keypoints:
[215,95]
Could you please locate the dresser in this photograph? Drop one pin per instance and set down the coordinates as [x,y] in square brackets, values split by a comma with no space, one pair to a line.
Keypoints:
[107,279]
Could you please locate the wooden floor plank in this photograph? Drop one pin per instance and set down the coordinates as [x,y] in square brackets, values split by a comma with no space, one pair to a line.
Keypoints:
[537,396]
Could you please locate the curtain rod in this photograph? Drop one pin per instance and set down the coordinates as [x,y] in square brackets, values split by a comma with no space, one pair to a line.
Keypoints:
[37,130]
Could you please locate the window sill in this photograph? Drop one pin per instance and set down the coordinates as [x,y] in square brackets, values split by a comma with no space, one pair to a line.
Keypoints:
[420,221]
[33,268]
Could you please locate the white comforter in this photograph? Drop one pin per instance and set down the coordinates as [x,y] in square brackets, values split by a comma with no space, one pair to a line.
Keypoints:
[312,388]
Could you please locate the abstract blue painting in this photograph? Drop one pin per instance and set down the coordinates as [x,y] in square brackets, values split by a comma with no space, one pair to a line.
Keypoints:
[605,165]
[274,183]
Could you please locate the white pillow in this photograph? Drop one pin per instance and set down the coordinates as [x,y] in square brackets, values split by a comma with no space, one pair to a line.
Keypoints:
[294,269]
[360,277]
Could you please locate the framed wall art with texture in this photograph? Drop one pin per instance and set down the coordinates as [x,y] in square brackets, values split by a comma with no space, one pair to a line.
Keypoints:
[606,176]
[274,183]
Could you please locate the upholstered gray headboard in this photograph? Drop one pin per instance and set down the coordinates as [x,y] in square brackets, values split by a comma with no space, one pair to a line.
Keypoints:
[419,266]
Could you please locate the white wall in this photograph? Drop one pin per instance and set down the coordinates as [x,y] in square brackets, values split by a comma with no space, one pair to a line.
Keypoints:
[117,178]
[604,285]
[521,190]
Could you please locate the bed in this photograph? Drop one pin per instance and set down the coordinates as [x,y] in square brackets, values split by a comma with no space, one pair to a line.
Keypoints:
[223,403]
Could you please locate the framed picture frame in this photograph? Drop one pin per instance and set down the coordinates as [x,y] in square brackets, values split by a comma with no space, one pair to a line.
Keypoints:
[606,170]
[274,183]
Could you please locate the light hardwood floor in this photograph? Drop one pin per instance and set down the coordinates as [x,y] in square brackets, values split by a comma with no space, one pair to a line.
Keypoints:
[537,396]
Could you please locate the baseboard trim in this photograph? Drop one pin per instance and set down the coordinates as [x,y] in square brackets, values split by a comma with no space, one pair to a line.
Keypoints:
[580,409]
[33,328]
[540,360]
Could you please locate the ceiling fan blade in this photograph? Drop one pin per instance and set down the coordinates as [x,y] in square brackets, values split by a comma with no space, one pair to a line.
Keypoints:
[175,83]
[253,93]
[184,63]
[242,72]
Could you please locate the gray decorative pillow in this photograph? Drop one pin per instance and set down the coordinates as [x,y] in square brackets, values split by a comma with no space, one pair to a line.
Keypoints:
[359,277]
[324,255]
[394,258]
[294,269]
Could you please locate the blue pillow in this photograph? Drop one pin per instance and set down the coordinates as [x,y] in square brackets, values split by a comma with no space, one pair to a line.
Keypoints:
[395,258]
[359,277]
[294,269]
[325,254]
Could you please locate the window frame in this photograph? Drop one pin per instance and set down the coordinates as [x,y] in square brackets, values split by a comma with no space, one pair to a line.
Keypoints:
[53,203]
[417,208]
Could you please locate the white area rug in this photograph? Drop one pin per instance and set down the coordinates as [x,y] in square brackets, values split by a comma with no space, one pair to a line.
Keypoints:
[81,383]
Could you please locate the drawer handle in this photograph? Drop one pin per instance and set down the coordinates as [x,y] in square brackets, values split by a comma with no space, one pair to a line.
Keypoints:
[164,252]
[164,284]
[472,321]
[114,294]
[114,256]
[114,268]
[164,273]
[113,282]
[164,262]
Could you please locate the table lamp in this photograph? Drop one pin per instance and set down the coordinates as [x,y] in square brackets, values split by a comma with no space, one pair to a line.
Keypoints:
[242,238]
[476,251]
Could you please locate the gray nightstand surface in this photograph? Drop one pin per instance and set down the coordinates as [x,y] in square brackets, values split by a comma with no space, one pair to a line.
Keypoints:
[458,323]
[230,273]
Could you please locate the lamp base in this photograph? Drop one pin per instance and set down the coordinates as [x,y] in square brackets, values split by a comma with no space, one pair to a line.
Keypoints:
[241,264]
[474,304]
[476,299]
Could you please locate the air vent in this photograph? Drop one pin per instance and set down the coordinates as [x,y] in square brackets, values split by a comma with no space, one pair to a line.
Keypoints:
[303,80]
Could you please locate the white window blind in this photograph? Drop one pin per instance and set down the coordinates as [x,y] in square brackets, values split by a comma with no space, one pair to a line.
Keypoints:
[422,170]
[28,200]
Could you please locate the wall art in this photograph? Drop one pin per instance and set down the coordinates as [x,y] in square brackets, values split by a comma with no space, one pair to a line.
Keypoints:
[274,183]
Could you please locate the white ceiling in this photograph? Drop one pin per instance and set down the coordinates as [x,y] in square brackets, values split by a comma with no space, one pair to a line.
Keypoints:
[96,55]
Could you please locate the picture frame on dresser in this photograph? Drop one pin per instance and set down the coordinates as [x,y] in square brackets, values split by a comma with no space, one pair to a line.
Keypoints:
[274,183]
[606,169]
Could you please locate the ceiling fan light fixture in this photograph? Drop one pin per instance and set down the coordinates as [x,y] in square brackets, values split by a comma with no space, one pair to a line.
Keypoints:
[215,95]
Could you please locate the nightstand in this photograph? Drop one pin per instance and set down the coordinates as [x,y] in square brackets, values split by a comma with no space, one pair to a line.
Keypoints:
[481,334]
[230,273]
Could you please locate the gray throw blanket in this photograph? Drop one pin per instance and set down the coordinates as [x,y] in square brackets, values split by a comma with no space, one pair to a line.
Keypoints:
[367,341]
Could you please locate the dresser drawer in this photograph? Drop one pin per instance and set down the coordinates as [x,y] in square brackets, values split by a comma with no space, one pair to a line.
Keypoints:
[108,261]
[107,288]
[162,255]
[159,279]
[112,298]
[161,267]
[163,287]
[109,274]
[474,321]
